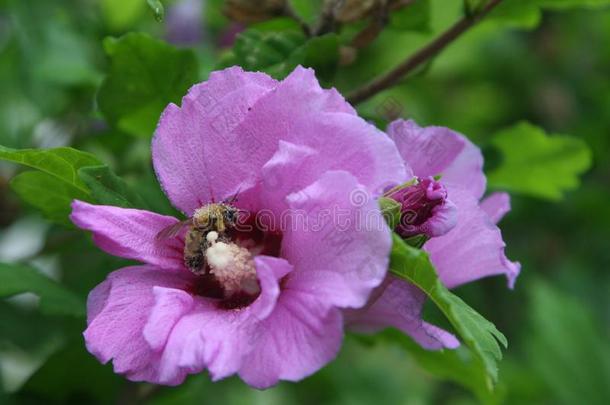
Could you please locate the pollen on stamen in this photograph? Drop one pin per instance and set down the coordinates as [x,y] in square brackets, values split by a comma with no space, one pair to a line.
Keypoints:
[231,264]
[212,237]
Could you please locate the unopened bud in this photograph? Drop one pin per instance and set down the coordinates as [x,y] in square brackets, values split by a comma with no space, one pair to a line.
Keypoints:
[425,209]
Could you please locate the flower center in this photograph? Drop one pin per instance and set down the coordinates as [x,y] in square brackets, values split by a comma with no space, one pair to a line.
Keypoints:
[232,265]
[230,274]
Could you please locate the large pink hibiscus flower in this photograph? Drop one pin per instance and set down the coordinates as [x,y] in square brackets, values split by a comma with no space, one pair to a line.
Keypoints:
[289,150]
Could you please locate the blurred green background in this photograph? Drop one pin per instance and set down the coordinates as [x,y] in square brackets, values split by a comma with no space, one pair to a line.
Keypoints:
[553,72]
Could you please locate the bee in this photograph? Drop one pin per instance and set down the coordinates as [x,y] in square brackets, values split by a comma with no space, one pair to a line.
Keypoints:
[218,217]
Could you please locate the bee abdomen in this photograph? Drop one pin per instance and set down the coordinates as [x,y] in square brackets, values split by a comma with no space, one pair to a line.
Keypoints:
[194,257]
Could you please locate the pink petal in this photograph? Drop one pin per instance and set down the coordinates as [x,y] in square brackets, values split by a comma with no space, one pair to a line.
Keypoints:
[337,241]
[97,299]
[269,270]
[195,145]
[473,249]
[115,331]
[431,151]
[231,125]
[170,305]
[279,174]
[130,233]
[219,339]
[301,336]
[301,113]
[496,206]
[397,303]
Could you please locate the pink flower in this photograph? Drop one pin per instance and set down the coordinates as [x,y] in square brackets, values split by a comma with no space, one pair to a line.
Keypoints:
[471,249]
[291,152]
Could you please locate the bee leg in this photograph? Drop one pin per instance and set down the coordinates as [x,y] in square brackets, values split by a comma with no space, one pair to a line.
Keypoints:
[195,262]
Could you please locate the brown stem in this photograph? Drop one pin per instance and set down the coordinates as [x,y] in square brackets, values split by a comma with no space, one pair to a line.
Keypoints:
[433,48]
[378,22]
[396,5]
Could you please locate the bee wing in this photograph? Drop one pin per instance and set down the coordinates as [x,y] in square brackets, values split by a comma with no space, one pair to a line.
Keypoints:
[172,230]
[233,198]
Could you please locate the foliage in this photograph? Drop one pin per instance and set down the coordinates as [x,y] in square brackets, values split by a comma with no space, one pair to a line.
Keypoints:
[84,85]
[145,75]
[536,164]
[278,53]
[480,335]
[54,299]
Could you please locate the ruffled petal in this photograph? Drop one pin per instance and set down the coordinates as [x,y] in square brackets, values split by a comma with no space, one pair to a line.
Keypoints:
[130,233]
[97,299]
[473,249]
[269,270]
[301,113]
[397,303]
[337,240]
[228,127]
[431,151]
[279,173]
[218,339]
[197,157]
[170,305]
[301,336]
[118,311]
[496,206]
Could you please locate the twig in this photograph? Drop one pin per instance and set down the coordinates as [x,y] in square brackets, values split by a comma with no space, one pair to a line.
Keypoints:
[433,48]
[396,5]
[379,20]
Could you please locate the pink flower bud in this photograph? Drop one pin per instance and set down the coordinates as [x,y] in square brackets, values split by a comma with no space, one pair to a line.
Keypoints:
[425,209]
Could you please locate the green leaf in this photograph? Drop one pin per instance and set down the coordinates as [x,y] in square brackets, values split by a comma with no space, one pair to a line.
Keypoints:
[567,347]
[109,189]
[145,75]
[474,6]
[537,164]
[309,10]
[480,335]
[414,17]
[457,365]
[278,53]
[56,184]
[567,4]
[157,8]
[67,174]
[54,298]
[72,372]
[320,53]
[528,13]
[391,211]
[66,59]
[61,163]
[267,51]
[120,15]
[47,193]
